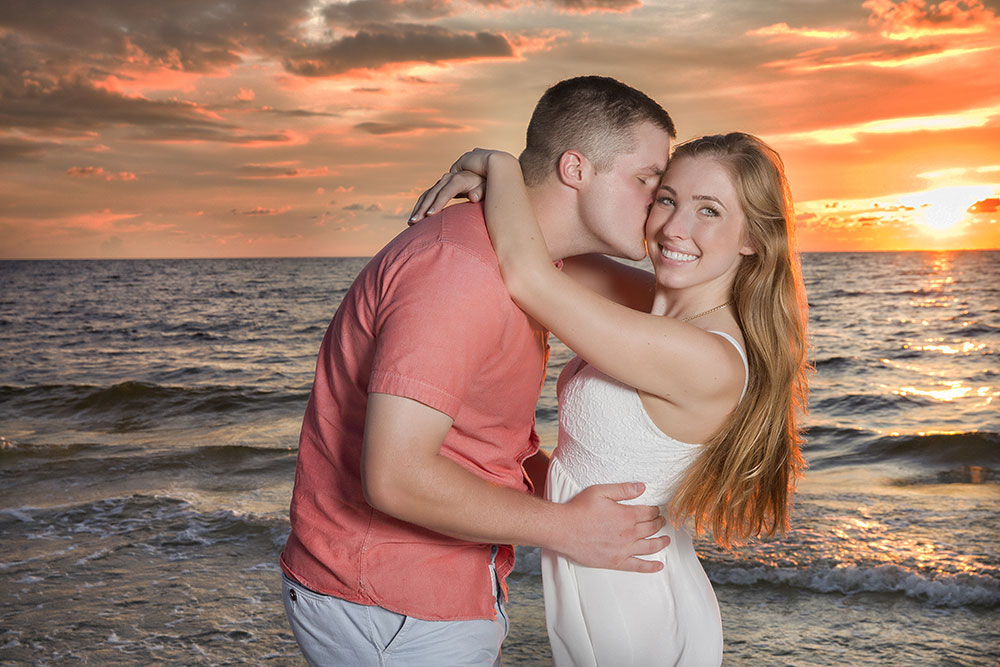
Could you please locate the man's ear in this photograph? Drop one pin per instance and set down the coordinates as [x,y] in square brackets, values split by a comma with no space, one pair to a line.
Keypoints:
[573,169]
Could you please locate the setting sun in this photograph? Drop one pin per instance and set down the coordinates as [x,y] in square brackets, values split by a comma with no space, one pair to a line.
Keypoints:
[942,209]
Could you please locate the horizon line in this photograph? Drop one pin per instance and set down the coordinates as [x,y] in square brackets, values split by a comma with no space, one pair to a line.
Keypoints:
[193,258]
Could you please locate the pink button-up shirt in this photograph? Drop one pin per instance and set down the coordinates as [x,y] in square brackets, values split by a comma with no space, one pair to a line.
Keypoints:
[428,319]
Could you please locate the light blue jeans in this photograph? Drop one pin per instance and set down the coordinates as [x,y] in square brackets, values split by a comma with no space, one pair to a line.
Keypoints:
[333,631]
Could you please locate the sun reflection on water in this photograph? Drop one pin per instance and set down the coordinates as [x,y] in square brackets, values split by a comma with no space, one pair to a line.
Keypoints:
[876,543]
[955,390]
[963,347]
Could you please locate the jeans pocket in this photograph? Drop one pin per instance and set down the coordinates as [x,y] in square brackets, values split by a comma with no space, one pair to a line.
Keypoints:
[387,627]
[296,590]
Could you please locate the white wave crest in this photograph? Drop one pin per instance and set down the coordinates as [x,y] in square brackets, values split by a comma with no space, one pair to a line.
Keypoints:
[945,590]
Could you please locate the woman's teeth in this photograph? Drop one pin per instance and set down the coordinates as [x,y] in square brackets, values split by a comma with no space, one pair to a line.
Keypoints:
[678,256]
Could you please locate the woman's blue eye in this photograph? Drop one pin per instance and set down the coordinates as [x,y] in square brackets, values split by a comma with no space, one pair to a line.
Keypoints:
[666,201]
[709,211]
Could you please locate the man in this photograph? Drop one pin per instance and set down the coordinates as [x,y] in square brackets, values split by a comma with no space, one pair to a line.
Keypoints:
[418,451]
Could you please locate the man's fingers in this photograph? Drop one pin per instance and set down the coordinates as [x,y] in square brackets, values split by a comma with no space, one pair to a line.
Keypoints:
[623,491]
[634,564]
[649,528]
[651,545]
[642,513]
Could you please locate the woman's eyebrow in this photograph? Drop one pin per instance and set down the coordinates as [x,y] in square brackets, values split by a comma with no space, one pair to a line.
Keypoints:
[709,198]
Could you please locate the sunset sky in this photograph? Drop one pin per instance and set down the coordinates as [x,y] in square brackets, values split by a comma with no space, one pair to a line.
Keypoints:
[198,128]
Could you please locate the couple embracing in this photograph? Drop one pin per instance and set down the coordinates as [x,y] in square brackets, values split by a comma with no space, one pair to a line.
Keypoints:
[418,464]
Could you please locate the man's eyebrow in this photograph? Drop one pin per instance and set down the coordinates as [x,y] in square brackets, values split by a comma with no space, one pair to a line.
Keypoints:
[654,169]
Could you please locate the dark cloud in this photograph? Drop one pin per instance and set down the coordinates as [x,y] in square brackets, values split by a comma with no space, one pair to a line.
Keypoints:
[189,35]
[364,12]
[297,113]
[416,80]
[279,171]
[220,134]
[371,208]
[56,57]
[378,46]
[259,210]
[35,97]
[42,93]
[402,127]
[585,6]
[17,149]
[77,105]
[266,171]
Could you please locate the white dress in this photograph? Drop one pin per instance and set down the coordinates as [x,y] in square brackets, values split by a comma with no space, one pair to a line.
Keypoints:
[609,618]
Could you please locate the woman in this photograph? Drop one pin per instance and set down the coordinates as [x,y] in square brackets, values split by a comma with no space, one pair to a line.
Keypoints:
[698,398]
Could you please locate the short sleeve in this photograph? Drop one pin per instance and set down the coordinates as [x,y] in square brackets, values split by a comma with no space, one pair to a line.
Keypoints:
[440,314]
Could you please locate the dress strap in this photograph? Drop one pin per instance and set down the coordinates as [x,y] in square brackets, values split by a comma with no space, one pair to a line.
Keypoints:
[743,356]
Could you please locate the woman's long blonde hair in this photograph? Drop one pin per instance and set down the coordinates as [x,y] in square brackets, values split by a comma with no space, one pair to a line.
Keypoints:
[740,485]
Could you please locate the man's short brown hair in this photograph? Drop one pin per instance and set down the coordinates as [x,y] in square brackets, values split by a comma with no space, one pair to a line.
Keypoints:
[595,115]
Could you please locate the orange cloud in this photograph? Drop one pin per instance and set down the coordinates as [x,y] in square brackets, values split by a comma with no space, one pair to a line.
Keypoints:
[104,220]
[779,30]
[84,172]
[535,43]
[281,170]
[991,205]
[912,19]
[959,172]
[815,61]
[970,118]
[940,219]
[909,33]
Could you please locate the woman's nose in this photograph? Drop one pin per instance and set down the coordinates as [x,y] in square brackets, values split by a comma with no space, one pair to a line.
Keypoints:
[676,226]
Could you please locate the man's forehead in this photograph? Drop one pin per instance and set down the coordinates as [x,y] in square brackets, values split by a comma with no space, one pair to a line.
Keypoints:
[654,168]
[653,147]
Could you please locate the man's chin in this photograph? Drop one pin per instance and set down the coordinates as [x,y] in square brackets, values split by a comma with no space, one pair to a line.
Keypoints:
[637,254]
[631,251]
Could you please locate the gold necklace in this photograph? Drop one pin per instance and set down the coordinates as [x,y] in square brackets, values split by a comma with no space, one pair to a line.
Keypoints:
[710,310]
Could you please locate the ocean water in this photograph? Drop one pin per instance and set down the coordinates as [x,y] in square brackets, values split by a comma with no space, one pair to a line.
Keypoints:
[149,413]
